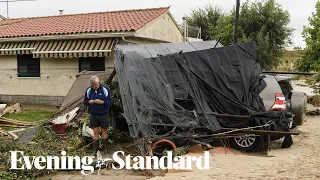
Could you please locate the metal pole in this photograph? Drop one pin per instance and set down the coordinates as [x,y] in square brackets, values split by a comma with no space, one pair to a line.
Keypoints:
[7,9]
[187,29]
[184,29]
[235,37]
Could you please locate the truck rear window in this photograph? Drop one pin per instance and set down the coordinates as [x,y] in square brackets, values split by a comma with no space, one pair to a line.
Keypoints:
[271,89]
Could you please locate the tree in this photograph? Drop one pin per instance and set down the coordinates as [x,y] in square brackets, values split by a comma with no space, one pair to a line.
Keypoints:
[265,23]
[224,30]
[310,55]
[206,19]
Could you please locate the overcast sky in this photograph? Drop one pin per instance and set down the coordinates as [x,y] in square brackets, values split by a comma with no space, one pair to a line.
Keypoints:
[299,10]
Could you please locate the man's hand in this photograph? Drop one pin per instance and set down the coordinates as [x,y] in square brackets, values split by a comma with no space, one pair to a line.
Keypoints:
[91,102]
[98,101]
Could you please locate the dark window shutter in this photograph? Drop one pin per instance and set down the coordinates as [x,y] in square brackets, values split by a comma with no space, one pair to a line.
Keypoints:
[92,64]
[28,66]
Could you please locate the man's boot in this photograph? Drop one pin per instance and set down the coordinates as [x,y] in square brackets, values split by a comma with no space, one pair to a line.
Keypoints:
[104,147]
[95,147]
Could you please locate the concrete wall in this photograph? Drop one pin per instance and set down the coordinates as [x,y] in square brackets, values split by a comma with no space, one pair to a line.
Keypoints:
[57,77]
[109,63]
[163,28]
[31,99]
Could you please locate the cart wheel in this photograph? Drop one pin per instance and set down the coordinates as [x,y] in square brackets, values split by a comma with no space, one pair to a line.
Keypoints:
[247,142]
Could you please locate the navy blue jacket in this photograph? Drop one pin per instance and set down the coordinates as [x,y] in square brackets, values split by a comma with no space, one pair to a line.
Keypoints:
[103,93]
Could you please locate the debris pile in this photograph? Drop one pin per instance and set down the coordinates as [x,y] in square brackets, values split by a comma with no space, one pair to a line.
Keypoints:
[5,135]
[14,123]
[315,112]
[60,123]
[16,108]
[315,100]
[193,92]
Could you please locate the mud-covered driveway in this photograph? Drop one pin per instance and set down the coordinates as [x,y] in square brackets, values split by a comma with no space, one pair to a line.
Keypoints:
[301,161]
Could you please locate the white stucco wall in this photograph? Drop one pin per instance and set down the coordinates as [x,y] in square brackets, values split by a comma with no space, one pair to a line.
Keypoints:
[109,62]
[57,77]
[163,28]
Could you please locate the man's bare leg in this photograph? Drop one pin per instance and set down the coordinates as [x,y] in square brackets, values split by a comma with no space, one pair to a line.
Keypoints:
[104,133]
[95,133]
[95,141]
[104,140]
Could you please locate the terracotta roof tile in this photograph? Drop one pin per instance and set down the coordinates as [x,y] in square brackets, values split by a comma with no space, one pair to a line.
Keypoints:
[111,21]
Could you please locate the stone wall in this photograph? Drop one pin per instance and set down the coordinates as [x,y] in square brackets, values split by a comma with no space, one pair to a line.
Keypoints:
[25,99]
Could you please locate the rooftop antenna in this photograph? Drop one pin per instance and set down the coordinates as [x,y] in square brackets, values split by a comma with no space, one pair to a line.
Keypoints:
[10,1]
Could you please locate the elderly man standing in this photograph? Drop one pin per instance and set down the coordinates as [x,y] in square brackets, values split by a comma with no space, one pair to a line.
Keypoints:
[98,98]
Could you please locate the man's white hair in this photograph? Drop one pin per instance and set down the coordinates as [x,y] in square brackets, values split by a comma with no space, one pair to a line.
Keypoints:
[94,79]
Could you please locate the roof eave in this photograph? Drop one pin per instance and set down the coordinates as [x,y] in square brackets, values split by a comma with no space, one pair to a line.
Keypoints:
[68,37]
[150,39]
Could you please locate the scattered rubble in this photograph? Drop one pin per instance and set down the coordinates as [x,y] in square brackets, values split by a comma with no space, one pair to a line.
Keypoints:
[60,123]
[315,100]
[194,93]
[16,108]
[87,131]
[315,112]
[2,107]
[14,123]
[7,135]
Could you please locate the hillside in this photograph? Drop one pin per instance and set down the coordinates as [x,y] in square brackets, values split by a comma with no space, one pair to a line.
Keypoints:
[288,60]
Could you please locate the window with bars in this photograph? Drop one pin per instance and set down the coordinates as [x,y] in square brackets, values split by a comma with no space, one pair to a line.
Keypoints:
[92,64]
[28,66]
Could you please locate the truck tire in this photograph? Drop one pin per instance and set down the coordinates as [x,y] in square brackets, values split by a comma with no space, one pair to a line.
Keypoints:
[298,103]
[247,142]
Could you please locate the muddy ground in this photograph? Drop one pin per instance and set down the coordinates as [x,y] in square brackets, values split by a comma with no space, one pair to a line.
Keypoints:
[301,161]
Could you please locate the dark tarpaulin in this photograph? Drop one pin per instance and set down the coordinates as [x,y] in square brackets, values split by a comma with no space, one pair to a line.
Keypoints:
[155,83]
[182,86]
[224,80]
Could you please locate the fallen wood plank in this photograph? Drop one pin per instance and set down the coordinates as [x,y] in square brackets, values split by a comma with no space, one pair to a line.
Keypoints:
[14,126]
[12,123]
[232,117]
[4,132]
[246,131]
[262,132]
[19,130]
[15,122]
[162,124]
[15,137]
[229,116]
[283,72]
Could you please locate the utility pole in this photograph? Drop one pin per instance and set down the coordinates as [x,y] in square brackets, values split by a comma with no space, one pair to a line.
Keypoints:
[236,24]
[7,9]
